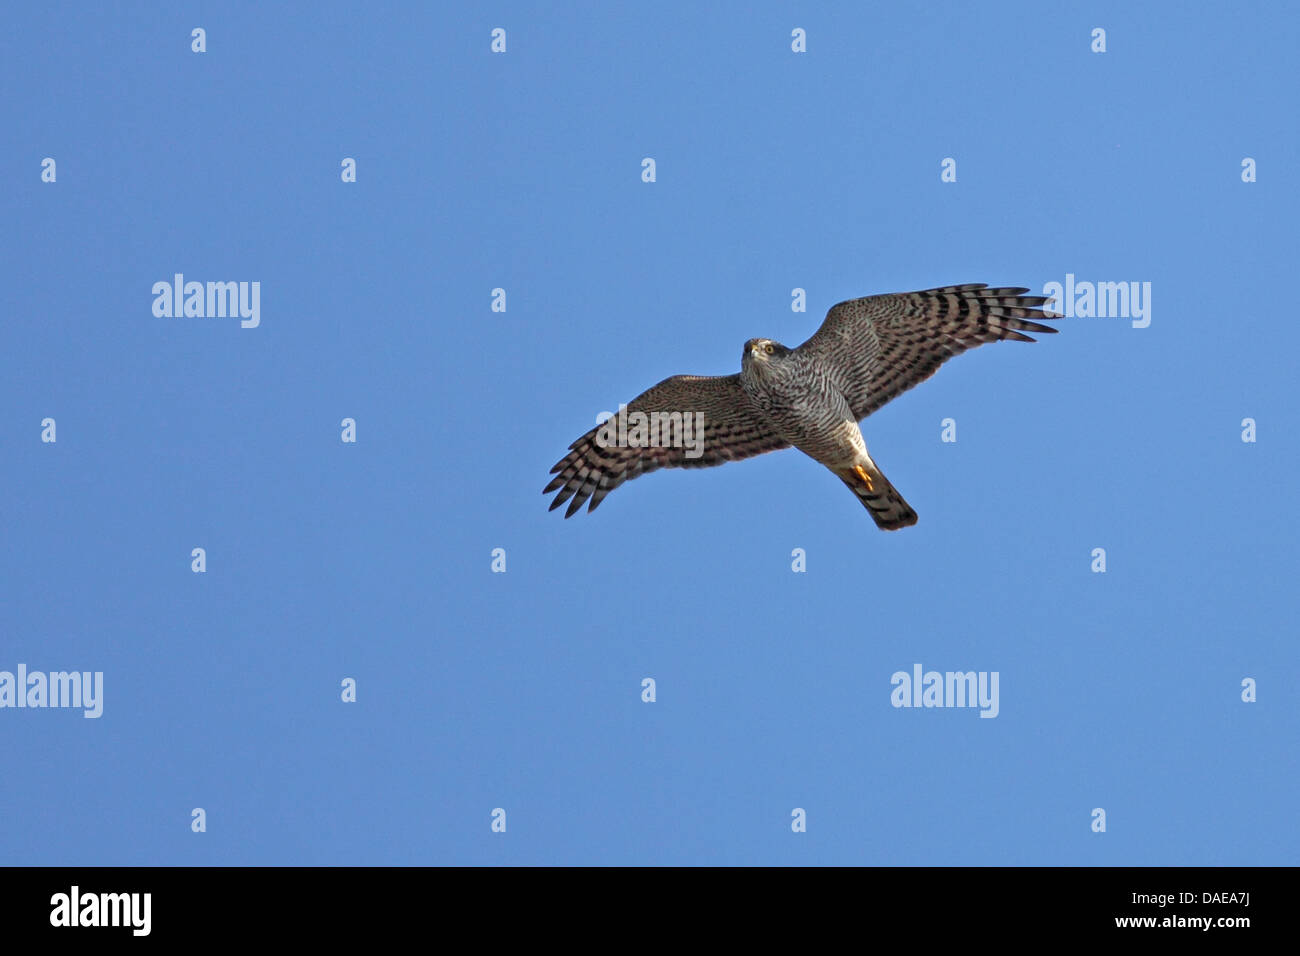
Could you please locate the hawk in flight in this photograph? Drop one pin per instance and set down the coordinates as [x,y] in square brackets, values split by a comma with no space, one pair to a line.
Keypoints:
[812,397]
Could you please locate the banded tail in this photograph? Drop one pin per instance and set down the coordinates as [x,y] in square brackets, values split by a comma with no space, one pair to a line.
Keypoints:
[887,507]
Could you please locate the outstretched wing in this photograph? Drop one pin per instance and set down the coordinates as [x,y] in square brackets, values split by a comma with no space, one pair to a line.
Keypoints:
[595,466]
[878,347]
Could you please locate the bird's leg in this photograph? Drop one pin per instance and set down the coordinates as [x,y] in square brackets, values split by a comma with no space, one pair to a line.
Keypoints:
[861,473]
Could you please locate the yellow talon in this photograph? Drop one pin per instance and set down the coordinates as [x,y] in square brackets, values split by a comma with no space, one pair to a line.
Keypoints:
[864,476]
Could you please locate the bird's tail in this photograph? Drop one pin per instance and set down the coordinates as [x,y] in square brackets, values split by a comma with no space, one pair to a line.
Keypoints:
[887,507]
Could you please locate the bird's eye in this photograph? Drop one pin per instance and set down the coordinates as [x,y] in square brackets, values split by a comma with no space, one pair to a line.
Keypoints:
[768,348]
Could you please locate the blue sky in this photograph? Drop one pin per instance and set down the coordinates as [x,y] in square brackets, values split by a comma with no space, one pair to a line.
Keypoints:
[521,690]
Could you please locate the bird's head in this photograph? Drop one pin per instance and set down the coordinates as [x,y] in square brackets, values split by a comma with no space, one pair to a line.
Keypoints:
[762,353]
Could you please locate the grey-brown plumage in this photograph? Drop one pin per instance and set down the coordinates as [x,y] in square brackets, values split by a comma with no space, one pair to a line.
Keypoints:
[866,352]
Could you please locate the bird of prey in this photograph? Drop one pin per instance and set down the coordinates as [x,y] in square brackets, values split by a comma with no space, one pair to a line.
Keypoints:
[866,352]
